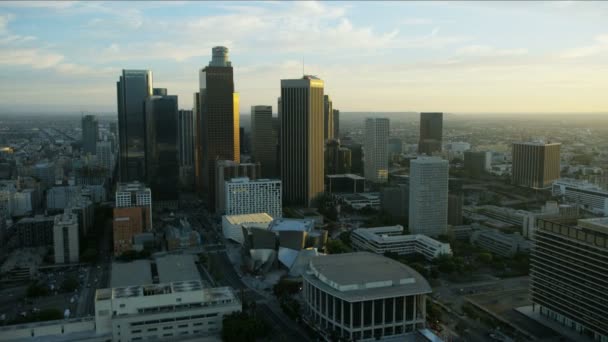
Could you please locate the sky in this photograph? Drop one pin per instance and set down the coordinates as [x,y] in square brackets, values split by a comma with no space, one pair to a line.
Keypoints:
[459,57]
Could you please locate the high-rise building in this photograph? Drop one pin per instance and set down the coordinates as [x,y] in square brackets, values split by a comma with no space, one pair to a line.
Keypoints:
[376,149]
[302,137]
[90,134]
[185,137]
[264,140]
[568,275]
[244,196]
[65,238]
[337,158]
[45,172]
[455,202]
[218,120]
[133,88]
[328,118]
[162,165]
[431,132]
[226,170]
[105,156]
[356,157]
[476,163]
[428,204]
[395,146]
[535,164]
[336,124]
[394,200]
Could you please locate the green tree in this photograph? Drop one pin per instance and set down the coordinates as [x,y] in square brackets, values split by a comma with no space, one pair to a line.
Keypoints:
[69,284]
[336,247]
[240,327]
[89,255]
[36,290]
[484,258]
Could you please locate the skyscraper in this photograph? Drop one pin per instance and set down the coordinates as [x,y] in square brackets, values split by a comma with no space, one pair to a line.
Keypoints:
[428,196]
[263,139]
[328,118]
[337,158]
[90,134]
[431,131]
[185,138]
[105,156]
[302,137]
[336,124]
[133,88]
[535,164]
[376,149]
[162,163]
[219,120]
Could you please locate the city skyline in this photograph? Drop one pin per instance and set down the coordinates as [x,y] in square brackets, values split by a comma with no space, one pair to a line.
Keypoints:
[426,56]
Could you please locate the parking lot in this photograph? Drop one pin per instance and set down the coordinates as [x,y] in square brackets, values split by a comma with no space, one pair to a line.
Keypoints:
[14,302]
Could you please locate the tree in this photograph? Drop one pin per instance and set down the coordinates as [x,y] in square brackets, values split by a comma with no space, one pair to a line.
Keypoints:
[89,255]
[240,327]
[484,258]
[37,290]
[336,247]
[70,284]
[286,287]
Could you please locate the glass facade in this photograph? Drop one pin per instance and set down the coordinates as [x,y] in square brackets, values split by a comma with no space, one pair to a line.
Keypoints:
[133,88]
[162,162]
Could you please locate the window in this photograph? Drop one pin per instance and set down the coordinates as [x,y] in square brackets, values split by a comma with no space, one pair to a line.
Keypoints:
[136,331]
[197,324]
[183,333]
[183,326]
[136,339]
[152,329]
[168,334]
[167,327]
[122,305]
[212,322]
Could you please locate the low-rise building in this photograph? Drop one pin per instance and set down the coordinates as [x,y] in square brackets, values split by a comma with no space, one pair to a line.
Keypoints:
[363,296]
[390,239]
[344,183]
[166,311]
[500,243]
[584,194]
[232,224]
[182,236]
[361,200]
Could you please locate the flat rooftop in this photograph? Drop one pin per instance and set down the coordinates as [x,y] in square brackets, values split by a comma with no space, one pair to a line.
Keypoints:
[248,218]
[174,268]
[599,224]
[346,175]
[137,272]
[364,275]
[300,225]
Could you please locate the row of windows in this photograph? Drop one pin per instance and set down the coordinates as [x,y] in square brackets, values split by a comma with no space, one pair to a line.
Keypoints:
[173,319]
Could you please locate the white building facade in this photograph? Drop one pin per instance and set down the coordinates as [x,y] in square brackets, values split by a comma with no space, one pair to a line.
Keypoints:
[167,311]
[375,149]
[428,202]
[390,239]
[245,196]
[586,195]
[65,238]
[364,297]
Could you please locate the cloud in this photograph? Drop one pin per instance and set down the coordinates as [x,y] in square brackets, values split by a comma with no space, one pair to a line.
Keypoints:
[416,21]
[489,51]
[35,58]
[599,47]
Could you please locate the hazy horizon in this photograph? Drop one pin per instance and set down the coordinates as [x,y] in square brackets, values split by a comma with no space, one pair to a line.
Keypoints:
[453,57]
